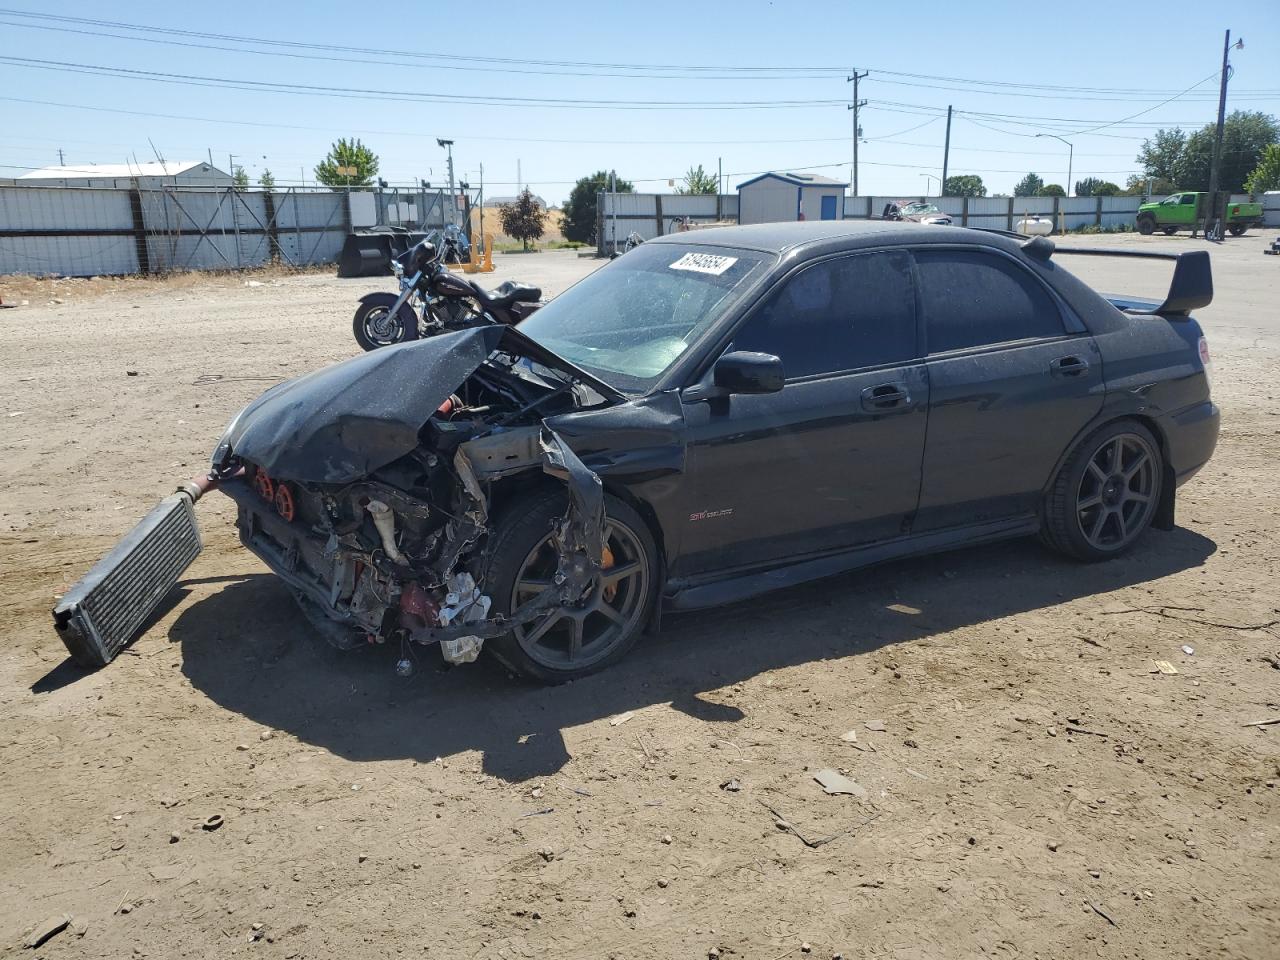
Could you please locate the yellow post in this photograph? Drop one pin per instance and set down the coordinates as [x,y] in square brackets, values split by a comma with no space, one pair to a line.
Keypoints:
[486,265]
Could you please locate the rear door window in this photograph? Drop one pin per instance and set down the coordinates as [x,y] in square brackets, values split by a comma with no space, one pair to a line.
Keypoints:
[836,315]
[972,299]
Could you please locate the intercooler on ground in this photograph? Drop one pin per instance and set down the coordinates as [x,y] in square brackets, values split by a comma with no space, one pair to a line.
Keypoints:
[101,613]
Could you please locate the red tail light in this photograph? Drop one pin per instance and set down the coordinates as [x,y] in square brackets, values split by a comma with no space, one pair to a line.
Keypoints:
[1204,352]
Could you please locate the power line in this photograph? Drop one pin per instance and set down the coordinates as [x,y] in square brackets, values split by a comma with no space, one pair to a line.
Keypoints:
[580,68]
[362,93]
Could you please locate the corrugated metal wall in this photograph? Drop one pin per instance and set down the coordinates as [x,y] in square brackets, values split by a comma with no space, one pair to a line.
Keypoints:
[73,231]
[638,213]
[1003,213]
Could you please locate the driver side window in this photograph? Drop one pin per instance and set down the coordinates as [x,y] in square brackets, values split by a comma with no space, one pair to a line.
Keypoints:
[837,315]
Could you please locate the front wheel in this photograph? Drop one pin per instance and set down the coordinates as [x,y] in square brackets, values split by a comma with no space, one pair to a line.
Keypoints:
[1146,226]
[1237,229]
[375,326]
[570,641]
[1106,494]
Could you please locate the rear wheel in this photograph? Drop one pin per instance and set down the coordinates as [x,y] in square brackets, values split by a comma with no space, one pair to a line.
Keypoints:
[572,641]
[1146,226]
[1237,229]
[1106,493]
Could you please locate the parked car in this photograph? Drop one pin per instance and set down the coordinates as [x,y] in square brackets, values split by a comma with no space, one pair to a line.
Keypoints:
[711,416]
[1183,211]
[916,211]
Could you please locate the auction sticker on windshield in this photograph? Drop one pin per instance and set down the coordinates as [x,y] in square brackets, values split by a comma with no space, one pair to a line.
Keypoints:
[704,263]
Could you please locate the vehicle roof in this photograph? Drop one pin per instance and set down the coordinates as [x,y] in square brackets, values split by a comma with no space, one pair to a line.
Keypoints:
[782,237]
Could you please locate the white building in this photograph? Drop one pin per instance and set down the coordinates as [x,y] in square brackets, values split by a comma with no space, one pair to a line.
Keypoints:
[189,173]
[776,197]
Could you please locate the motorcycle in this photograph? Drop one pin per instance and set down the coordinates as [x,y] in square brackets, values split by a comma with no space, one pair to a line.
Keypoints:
[432,301]
[456,246]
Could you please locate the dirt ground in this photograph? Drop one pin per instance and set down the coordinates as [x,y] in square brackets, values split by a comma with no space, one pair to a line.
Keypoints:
[1034,786]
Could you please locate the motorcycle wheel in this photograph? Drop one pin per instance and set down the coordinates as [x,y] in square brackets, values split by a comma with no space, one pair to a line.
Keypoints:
[374,326]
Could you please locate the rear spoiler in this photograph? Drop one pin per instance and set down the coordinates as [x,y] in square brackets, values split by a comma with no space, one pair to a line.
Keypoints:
[1190,289]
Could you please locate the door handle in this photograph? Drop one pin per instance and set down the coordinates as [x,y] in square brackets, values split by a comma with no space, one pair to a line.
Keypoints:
[1072,366]
[886,396]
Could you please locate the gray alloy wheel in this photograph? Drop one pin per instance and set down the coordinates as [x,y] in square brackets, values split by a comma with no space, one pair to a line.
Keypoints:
[1116,495]
[1106,494]
[579,637]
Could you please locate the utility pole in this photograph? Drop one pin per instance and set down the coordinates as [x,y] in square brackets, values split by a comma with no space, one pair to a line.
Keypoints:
[1214,230]
[61,162]
[855,106]
[946,156]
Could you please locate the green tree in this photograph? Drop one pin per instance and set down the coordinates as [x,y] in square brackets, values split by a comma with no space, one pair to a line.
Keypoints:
[580,209]
[239,178]
[699,181]
[522,219]
[1051,190]
[1266,175]
[1160,154]
[1096,187]
[1139,185]
[1184,161]
[964,185]
[349,164]
[267,181]
[1028,186]
[1245,136]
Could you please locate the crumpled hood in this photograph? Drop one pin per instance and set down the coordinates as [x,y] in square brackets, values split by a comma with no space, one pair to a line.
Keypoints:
[341,423]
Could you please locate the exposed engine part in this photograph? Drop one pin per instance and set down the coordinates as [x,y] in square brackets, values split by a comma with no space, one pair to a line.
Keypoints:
[265,487]
[285,504]
[464,602]
[385,520]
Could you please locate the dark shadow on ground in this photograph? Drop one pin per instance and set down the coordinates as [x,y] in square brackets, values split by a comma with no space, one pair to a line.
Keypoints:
[250,650]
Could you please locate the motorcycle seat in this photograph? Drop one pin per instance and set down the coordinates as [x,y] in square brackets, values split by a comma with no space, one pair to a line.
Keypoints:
[505,294]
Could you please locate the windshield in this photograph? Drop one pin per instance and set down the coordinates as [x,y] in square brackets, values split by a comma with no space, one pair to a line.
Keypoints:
[915,209]
[630,321]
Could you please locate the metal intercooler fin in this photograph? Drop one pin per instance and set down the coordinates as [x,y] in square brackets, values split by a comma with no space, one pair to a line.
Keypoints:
[98,616]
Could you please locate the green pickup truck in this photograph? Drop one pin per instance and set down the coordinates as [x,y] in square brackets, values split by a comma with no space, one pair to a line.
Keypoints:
[1186,211]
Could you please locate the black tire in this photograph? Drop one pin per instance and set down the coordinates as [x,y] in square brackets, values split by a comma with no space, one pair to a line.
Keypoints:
[1237,229]
[373,327]
[1106,494]
[1146,226]
[544,649]
[1170,231]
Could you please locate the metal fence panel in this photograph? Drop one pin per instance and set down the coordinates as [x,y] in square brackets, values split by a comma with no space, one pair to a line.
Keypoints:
[69,256]
[51,218]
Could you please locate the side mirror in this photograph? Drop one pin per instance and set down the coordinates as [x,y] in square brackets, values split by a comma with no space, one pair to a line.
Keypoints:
[742,371]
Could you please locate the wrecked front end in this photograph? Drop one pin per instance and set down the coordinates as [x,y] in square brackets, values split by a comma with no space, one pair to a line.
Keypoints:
[370,492]
[370,488]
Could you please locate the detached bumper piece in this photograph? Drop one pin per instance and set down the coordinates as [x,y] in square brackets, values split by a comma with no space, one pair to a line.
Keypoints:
[100,614]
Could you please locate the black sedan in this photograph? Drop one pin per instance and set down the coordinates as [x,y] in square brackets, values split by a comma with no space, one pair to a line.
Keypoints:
[712,416]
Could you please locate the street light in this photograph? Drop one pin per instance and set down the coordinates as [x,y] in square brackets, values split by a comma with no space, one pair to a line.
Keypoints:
[930,176]
[1070,155]
[453,210]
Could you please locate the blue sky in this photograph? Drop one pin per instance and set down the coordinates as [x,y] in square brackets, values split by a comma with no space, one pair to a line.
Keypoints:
[1012,69]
